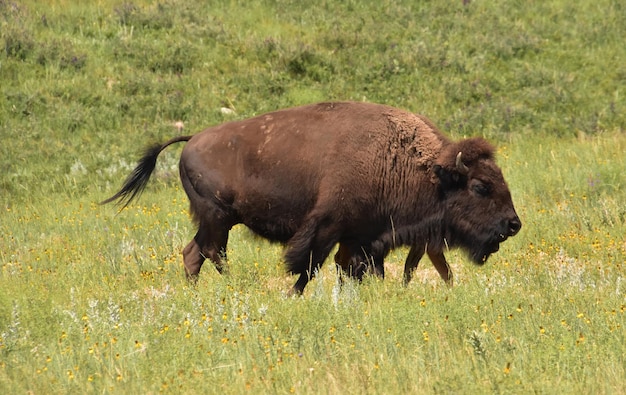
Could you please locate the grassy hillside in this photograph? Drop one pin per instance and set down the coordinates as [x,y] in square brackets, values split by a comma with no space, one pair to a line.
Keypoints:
[94,300]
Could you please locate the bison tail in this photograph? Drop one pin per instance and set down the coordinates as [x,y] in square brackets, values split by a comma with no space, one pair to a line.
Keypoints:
[138,179]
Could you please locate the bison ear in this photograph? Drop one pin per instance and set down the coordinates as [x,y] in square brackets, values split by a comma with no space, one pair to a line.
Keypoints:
[449,179]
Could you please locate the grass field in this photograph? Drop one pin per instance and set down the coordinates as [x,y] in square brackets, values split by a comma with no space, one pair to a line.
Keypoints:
[92,300]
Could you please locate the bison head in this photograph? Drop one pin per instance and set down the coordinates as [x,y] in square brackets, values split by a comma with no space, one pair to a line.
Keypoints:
[479,212]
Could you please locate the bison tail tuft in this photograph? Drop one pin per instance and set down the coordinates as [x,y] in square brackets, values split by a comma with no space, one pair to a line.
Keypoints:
[138,179]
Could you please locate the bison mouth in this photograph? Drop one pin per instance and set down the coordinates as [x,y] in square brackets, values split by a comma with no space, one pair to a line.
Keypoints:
[480,252]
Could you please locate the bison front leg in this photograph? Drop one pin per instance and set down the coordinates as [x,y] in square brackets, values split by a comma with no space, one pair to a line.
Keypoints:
[355,261]
[308,249]
[440,263]
[308,272]
[379,266]
[342,261]
[349,262]
[412,260]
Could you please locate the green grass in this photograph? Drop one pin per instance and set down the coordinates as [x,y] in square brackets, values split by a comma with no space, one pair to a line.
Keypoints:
[92,300]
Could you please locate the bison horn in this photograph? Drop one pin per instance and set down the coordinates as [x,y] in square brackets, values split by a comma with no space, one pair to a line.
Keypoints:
[460,165]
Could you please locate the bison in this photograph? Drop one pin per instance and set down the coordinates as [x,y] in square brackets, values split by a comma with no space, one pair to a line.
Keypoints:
[367,176]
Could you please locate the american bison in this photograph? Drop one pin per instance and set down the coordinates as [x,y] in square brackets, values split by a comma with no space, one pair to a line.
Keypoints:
[367,176]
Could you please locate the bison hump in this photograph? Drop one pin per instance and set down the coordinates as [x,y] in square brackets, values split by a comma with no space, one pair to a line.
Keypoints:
[414,136]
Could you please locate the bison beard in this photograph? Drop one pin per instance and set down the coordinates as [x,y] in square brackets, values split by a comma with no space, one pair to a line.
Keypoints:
[367,176]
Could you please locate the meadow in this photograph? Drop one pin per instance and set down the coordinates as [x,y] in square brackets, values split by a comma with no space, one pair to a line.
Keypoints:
[93,300]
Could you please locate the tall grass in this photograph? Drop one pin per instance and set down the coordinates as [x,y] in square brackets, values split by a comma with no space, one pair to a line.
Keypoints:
[94,300]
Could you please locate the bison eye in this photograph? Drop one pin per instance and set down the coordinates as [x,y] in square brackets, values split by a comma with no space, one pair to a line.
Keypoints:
[481,189]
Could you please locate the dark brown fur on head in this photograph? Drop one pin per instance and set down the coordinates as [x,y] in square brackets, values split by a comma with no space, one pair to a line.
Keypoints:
[472,150]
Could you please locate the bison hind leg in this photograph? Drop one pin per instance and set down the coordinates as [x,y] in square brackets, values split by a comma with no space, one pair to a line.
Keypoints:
[209,243]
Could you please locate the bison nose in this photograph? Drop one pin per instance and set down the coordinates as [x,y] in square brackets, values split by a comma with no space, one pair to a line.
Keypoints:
[514,226]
